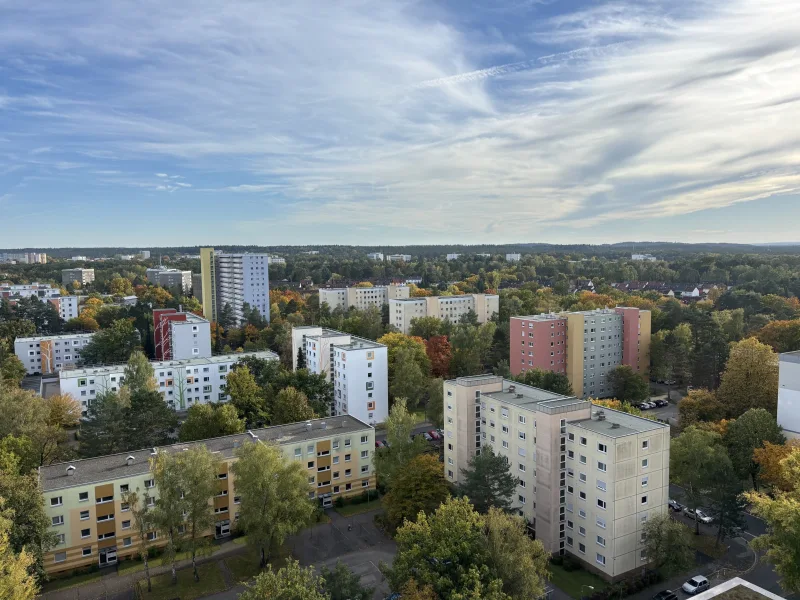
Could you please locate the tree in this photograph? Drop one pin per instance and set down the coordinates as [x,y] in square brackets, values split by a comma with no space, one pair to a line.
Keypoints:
[408,381]
[699,406]
[434,410]
[112,346]
[402,447]
[198,470]
[246,395]
[669,354]
[488,482]
[426,327]
[291,406]
[750,379]
[301,358]
[287,583]
[471,346]
[419,487]
[205,421]
[412,591]
[551,381]
[395,341]
[769,461]
[139,374]
[150,422]
[438,349]
[781,336]
[274,496]
[16,580]
[83,322]
[143,524]
[782,514]
[709,349]
[747,434]
[628,385]
[668,545]
[168,511]
[724,498]
[120,286]
[104,431]
[342,584]
[12,370]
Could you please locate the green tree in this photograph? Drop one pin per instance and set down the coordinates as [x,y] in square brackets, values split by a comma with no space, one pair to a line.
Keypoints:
[434,410]
[246,395]
[488,482]
[198,471]
[150,422]
[16,580]
[471,346]
[342,584]
[699,406]
[113,345]
[419,487]
[628,385]
[205,421]
[750,379]
[781,336]
[551,381]
[668,545]
[168,512]
[143,524]
[291,582]
[12,370]
[104,430]
[301,358]
[724,498]
[291,406]
[139,374]
[709,349]
[669,354]
[274,496]
[425,327]
[408,381]
[402,447]
[747,434]
[395,341]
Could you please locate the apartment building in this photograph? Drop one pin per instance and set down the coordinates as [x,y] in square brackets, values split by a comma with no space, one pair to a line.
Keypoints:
[586,346]
[398,257]
[170,278]
[513,257]
[375,256]
[68,307]
[277,260]
[144,254]
[182,383]
[402,311]
[82,276]
[83,498]
[452,256]
[40,290]
[234,279]
[23,258]
[789,394]
[197,286]
[589,478]
[178,335]
[50,353]
[357,368]
[362,297]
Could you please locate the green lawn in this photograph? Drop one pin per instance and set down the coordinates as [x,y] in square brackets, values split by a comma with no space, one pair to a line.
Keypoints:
[571,582]
[246,565]
[64,583]
[707,545]
[348,510]
[211,581]
[135,565]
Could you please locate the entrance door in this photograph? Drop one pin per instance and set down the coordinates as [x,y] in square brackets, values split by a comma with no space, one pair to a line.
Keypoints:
[108,556]
[327,502]
[223,529]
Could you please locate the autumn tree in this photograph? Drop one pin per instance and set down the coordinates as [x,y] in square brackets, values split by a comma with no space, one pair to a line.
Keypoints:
[395,341]
[205,421]
[120,286]
[668,545]
[769,462]
[143,524]
[402,447]
[419,486]
[139,373]
[627,385]
[246,395]
[426,327]
[698,406]
[291,582]
[407,381]
[168,512]
[291,406]
[487,481]
[439,352]
[750,379]
[781,336]
[747,434]
[16,567]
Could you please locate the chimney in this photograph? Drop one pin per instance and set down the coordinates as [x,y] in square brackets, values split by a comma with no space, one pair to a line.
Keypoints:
[512,388]
[344,423]
[615,426]
[323,425]
[129,460]
[70,470]
[308,425]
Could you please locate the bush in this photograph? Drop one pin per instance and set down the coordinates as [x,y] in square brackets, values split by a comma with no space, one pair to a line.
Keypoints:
[557,560]
[339,502]
[570,564]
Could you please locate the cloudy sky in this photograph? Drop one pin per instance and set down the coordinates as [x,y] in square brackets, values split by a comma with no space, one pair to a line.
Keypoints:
[389,122]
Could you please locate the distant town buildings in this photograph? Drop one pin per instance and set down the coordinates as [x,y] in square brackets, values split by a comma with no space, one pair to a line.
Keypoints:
[23,258]
[144,254]
[311,252]
[513,257]
[358,369]
[82,276]
[789,394]
[180,335]
[361,298]
[277,260]
[79,258]
[585,346]
[234,279]
[375,256]
[398,257]
[19,290]
[50,353]
[452,256]
[644,257]
[452,308]
[170,278]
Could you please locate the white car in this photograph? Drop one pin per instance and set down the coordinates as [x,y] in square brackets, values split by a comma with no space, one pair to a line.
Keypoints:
[695,585]
[703,517]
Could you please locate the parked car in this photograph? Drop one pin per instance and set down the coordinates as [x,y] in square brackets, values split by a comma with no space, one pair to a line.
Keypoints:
[649,405]
[675,505]
[689,388]
[377,444]
[427,436]
[662,403]
[669,382]
[701,516]
[695,585]
[434,434]
[666,595]
[440,432]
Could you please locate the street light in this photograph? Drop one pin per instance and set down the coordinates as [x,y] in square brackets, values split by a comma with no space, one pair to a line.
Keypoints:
[591,587]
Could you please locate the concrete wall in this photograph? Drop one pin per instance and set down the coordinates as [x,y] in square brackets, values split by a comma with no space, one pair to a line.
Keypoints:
[789,394]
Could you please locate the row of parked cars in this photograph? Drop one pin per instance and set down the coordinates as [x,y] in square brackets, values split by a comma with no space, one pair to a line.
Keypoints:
[697,513]
[695,585]
[653,404]
[434,435]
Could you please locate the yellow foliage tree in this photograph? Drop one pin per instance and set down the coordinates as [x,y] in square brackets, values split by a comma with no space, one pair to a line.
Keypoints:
[769,460]
[16,580]
[750,379]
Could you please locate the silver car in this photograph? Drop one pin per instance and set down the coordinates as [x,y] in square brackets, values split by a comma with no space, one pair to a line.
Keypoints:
[695,585]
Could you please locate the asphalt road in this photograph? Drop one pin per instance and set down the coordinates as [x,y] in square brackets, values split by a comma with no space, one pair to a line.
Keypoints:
[381,435]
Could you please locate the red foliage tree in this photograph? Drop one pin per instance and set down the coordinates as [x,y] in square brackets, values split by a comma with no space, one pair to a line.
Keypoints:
[438,350]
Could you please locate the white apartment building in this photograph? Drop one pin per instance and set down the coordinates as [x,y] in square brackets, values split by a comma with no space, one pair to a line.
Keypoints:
[83,276]
[644,257]
[513,257]
[234,279]
[170,278]
[277,260]
[68,307]
[362,298]
[398,257]
[20,290]
[452,308]
[589,478]
[180,335]
[789,394]
[50,353]
[375,256]
[144,254]
[453,256]
[182,383]
[23,258]
[358,369]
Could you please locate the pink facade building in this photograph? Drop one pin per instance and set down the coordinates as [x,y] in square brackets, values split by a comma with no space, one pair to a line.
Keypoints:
[538,342]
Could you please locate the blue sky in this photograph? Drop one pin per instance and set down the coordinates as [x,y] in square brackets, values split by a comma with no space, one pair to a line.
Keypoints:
[390,122]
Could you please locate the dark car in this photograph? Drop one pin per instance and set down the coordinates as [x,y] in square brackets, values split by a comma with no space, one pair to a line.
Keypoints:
[661,403]
[675,505]
[666,595]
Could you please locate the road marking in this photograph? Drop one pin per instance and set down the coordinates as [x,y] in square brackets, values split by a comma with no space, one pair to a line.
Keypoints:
[750,534]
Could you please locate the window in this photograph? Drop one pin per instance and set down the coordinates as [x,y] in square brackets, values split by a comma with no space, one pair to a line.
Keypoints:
[571,437]
[601,485]
[505,444]
[522,419]
[582,495]
[569,541]
[298,452]
[347,472]
[83,496]
[346,458]
[149,483]
[336,460]
[582,477]
[601,503]
[85,533]
[521,467]
[365,454]
[237,500]
[645,463]
[583,441]
[582,548]
[58,520]
[602,448]
[151,535]
[61,539]
[105,499]
[582,531]
[521,499]
[570,524]
[364,439]
[86,551]
[601,559]
[583,459]
[56,501]
[126,524]
[365,469]
[84,515]
[123,488]
[365,483]
[601,541]
[582,513]
[522,435]
[570,454]
[127,542]
[601,466]
[347,442]
[105,518]
[124,507]
[644,499]
[59,557]
[644,481]
[601,523]
[645,444]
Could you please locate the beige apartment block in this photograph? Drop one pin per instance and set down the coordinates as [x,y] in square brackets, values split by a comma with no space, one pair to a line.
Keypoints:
[589,478]
[452,308]
[362,298]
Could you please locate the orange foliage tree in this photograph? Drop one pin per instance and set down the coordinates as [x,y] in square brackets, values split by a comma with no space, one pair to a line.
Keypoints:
[782,336]
[438,350]
[769,460]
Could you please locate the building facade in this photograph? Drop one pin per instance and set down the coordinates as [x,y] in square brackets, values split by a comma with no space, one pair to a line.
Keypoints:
[82,276]
[375,256]
[362,298]
[182,383]
[234,279]
[398,257]
[83,498]
[40,290]
[452,308]
[23,258]
[170,278]
[589,478]
[453,256]
[513,257]
[179,335]
[68,307]
[277,260]
[789,394]
[50,353]
[357,368]
[586,346]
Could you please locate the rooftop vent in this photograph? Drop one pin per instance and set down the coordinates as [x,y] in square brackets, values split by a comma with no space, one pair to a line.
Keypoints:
[129,460]
[615,426]
[519,395]
[344,423]
[308,425]
[71,470]
[601,417]
[512,388]
[323,425]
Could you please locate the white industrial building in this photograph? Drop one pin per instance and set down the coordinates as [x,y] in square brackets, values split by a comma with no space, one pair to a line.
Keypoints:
[452,308]
[358,369]
[361,297]
[50,353]
[453,256]
[182,383]
[789,394]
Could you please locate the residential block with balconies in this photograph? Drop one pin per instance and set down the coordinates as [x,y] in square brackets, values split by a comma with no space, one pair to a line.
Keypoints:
[452,308]
[50,353]
[361,297]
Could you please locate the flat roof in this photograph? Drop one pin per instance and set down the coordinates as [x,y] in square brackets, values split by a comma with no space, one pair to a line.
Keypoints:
[617,423]
[41,338]
[523,396]
[359,344]
[355,343]
[162,364]
[792,357]
[114,466]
